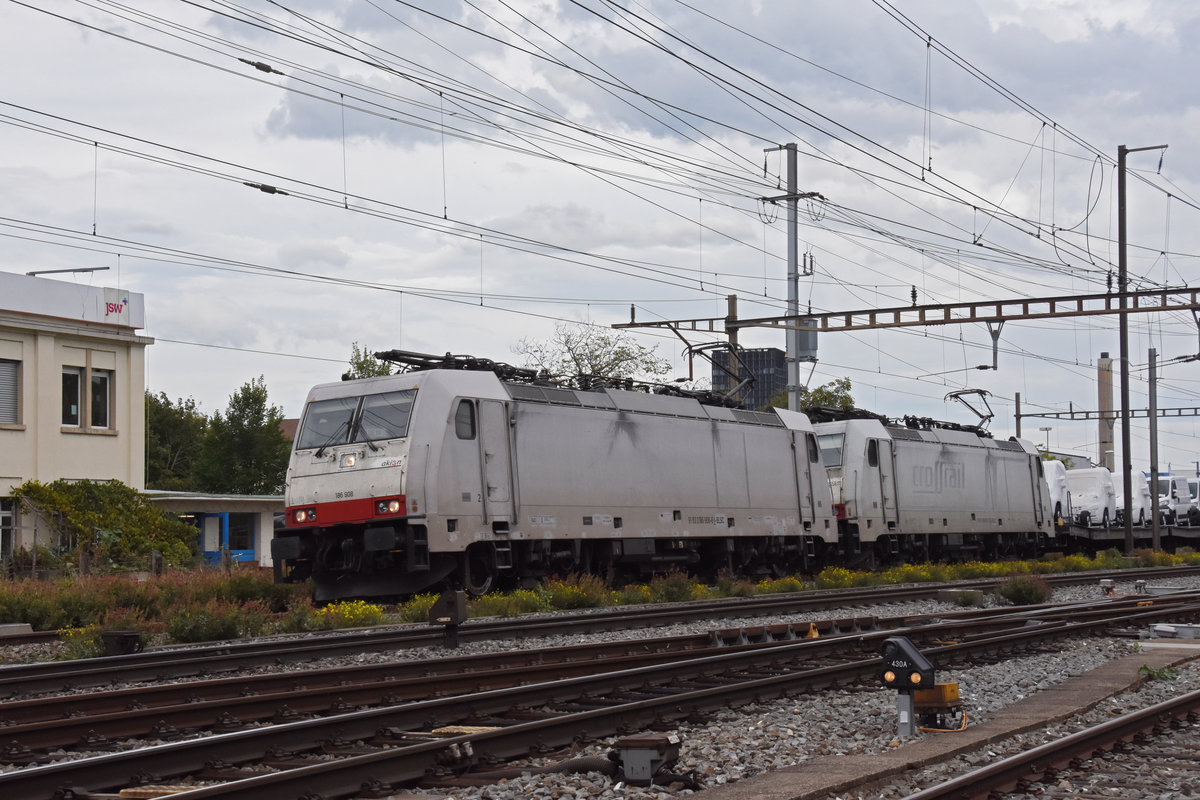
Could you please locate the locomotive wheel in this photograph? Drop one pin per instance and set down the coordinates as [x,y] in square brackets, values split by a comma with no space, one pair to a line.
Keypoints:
[479,573]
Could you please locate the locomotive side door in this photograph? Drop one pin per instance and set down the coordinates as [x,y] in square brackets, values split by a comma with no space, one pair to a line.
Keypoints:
[809,454]
[1037,477]
[495,466]
[880,456]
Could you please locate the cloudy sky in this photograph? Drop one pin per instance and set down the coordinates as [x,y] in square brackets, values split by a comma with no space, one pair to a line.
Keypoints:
[459,176]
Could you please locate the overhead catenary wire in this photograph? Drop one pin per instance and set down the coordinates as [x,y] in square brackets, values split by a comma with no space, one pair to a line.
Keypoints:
[855,227]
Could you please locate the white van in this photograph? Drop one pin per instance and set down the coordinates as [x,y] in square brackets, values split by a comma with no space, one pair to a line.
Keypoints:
[1093,497]
[1060,493]
[1143,504]
[1174,499]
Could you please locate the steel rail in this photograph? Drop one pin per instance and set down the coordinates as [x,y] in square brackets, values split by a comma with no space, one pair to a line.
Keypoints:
[119,769]
[391,768]
[1018,771]
[20,679]
[215,702]
[230,704]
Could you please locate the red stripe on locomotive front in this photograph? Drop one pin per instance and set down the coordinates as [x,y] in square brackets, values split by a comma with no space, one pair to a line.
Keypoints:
[343,512]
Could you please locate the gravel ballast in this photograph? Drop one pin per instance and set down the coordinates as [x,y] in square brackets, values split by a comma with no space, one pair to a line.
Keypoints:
[737,744]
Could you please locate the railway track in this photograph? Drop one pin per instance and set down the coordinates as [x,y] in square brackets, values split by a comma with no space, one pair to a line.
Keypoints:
[395,744]
[21,680]
[1145,753]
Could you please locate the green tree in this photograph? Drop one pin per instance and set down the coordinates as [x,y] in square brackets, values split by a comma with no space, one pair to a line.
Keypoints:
[365,365]
[578,350]
[174,433]
[244,450]
[1067,461]
[111,522]
[835,394]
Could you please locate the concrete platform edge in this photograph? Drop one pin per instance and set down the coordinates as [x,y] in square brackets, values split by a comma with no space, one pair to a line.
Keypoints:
[818,778]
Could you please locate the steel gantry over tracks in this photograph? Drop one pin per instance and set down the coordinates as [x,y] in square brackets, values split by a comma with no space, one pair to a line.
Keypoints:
[987,311]
[993,313]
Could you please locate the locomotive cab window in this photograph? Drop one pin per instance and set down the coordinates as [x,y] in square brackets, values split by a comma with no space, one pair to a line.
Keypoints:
[464,420]
[385,416]
[814,452]
[326,422]
[369,418]
[831,448]
[873,453]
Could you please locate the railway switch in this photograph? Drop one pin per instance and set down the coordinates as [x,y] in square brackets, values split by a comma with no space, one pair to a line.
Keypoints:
[643,757]
[939,707]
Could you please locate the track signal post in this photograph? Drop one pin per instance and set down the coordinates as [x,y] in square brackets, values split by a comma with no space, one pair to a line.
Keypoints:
[905,669]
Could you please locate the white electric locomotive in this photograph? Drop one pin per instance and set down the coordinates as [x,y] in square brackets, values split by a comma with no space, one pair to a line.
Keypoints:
[921,490]
[452,477]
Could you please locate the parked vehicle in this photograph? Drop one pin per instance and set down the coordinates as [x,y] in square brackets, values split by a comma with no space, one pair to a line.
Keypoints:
[1141,508]
[1175,500]
[1093,497]
[1060,492]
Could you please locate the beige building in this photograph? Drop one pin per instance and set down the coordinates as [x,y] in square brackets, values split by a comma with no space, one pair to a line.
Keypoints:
[72,383]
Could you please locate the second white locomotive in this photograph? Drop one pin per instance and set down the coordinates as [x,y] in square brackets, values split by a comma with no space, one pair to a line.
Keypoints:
[920,491]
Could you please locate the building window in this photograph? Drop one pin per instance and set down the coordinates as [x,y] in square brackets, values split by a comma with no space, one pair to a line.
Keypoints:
[10,372]
[241,531]
[101,386]
[8,527]
[72,380]
[87,398]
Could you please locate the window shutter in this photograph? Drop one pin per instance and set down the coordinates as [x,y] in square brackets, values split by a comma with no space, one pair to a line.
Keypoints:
[8,392]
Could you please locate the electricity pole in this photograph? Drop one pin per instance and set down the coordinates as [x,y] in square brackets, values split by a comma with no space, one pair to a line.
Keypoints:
[793,275]
[1122,287]
[1155,530]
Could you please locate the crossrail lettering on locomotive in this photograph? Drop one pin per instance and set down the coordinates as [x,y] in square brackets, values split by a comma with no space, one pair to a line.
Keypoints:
[939,476]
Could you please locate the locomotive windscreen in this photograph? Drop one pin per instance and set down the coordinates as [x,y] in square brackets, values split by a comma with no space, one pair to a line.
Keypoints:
[385,416]
[326,422]
[831,448]
[368,418]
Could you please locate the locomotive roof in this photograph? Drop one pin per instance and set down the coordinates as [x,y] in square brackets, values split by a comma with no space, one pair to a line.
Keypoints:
[949,435]
[457,382]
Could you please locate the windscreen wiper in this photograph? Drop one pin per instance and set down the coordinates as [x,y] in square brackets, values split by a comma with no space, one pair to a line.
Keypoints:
[337,432]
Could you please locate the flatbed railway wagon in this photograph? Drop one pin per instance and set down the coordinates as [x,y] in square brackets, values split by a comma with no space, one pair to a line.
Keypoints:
[918,491]
[443,478]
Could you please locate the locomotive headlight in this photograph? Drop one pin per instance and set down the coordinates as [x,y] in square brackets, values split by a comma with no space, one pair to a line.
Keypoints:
[393,506]
[303,515]
[349,459]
